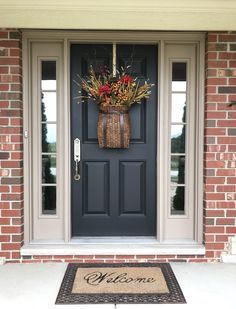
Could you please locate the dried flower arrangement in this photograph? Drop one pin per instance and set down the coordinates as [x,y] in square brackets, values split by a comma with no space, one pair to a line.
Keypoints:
[114,96]
[105,89]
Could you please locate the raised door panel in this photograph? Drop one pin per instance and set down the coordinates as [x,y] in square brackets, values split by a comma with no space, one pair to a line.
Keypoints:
[95,188]
[132,188]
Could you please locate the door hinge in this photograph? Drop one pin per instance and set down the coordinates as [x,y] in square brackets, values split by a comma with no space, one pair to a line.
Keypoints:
[26,134]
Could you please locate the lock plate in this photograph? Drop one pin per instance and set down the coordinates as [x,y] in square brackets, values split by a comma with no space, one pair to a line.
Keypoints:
[76,150]
[77,158]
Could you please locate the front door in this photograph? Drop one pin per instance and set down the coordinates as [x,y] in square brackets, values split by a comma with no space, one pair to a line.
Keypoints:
[116,194]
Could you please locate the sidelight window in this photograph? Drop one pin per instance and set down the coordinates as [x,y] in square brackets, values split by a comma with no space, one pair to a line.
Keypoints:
[45,141]
[181,167]
[179,110]
[48,136]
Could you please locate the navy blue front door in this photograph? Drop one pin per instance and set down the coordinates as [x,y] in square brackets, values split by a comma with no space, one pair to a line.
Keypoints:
[116,195]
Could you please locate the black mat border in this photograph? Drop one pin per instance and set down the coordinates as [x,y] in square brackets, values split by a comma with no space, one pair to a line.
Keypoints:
[66,297]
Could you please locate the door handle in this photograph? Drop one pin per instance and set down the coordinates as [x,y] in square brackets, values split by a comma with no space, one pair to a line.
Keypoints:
[77,158]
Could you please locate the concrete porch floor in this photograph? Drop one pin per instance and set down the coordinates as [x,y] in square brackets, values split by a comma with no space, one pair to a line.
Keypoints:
[37,285]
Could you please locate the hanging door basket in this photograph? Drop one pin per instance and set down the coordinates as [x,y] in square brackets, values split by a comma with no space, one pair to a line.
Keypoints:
[114,127]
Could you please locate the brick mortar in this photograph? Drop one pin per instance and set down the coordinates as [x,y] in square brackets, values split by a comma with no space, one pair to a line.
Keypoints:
[113,259]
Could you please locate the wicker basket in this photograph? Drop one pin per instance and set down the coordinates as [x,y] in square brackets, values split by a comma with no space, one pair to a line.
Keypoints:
[113,127]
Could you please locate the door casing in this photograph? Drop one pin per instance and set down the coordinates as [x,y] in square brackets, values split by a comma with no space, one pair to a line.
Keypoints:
[66,38]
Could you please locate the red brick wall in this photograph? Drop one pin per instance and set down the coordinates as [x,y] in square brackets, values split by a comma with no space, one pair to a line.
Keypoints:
[11,147]
[219,160]
[220,142]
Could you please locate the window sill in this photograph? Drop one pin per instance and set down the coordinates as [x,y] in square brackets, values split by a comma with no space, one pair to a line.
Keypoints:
[115,247]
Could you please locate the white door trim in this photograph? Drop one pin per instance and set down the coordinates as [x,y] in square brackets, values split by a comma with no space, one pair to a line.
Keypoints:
[66,38]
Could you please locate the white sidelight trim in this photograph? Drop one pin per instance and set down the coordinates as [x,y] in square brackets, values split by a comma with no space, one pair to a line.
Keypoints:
[178,226]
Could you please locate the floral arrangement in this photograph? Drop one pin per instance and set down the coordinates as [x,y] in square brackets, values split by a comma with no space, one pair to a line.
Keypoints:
[107,90]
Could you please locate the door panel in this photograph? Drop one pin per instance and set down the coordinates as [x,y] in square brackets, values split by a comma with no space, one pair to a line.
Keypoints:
[116,195]
[138,118]
[132,188]
[96,193]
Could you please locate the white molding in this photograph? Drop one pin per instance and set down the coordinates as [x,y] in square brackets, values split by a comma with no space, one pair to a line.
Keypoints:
[84,36]
[199,142]
[161,144]
[67,143]
[122,15]
[27,140]
[123,5]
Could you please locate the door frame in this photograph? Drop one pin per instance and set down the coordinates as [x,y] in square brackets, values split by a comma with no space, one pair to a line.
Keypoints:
[121,37]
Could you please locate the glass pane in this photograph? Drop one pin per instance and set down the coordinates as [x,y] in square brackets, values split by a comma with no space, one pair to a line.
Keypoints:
[49,84]
[49,200]
[179,74]
[48,169]
[178,86]
[177,200]
[48,81]
[178,107]
[178,138]
[177,169]
[49,137]
[49,106]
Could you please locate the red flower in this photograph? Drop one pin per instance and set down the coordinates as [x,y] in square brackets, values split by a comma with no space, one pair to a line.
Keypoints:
[126,79]
[105,89]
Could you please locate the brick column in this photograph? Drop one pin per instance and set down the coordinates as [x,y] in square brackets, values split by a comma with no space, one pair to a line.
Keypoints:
[11,143]
[220,142]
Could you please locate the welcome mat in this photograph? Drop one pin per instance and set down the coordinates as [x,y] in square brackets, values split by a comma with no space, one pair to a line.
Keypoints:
[119,283]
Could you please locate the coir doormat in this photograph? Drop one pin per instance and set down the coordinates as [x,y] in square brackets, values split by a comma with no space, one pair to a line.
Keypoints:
[120,283]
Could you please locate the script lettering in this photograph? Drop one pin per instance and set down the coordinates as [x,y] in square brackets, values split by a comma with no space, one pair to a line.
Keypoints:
[96,278]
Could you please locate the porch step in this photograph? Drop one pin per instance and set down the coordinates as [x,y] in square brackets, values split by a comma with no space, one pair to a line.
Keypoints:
[85,248]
